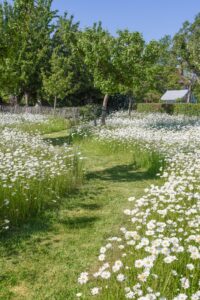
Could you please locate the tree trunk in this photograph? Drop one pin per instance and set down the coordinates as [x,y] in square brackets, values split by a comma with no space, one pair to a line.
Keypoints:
[26,97]
[189,94]
[95,116]
[130,104]
[104,110]
[54,105]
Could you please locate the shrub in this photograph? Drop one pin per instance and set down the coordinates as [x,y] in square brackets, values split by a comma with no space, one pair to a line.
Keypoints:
[149,107]
[90,112]
[188,109]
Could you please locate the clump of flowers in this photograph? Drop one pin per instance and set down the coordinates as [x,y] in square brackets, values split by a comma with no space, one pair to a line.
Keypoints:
[7,119]
[33,173]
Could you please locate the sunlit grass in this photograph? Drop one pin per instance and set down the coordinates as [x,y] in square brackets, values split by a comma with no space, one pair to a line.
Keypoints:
[52,124]
[52,249]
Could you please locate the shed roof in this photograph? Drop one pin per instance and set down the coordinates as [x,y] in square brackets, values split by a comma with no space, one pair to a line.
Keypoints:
[174,95]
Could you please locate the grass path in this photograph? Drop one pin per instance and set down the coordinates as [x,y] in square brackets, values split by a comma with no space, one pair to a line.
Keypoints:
[43,259]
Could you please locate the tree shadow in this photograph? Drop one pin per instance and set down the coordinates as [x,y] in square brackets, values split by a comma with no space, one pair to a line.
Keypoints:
[79,222]
[11,240]
[121,173]
[42,227]
[85,199]
[59,141]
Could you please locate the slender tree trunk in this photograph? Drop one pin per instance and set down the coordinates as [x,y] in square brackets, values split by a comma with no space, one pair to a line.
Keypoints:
[26,97]
[95,116]
[54,105]
[104,110]
[189,94]
[130,104]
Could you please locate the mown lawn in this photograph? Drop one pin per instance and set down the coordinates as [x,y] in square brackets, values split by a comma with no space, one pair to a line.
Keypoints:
[43,259]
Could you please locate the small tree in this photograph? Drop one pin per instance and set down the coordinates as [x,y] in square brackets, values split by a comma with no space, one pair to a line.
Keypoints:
[67,70]
[54,83]
[27,27]
[97,45]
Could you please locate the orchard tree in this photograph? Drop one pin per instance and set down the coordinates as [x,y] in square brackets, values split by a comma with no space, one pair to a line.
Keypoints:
[97,46]
[186,45]
[8,75]
[67,73]
[187,51]
[28,28]
[128,61]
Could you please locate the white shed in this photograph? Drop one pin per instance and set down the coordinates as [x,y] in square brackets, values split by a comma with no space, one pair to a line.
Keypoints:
[174,95]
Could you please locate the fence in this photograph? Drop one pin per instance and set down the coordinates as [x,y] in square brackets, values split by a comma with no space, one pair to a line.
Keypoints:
[66,112]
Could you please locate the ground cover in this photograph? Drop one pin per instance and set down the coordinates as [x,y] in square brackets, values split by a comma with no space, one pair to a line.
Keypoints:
[85,246]
[42,259]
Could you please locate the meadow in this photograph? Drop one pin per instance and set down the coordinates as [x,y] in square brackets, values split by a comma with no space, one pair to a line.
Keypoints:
[100,212]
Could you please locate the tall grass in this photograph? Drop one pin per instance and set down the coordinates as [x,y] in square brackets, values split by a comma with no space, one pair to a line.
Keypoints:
[156,254]
[134,152]
[52,124]
[33,173]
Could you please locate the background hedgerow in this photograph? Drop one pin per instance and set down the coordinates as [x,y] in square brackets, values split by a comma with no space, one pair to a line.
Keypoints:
[187,109]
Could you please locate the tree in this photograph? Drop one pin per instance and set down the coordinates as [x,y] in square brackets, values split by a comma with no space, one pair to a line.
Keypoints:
[137,62]
[187,52]
[97,45]
[8,76]
[67,72]
[128,61]
[119,64]
[28,28]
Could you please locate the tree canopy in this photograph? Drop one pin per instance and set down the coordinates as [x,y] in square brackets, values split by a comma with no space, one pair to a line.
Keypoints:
[47,57]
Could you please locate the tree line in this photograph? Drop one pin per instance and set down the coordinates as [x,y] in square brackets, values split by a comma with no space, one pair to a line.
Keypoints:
[47,58]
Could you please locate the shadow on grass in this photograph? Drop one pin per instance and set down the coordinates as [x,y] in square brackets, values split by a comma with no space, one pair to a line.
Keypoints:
[121,173]
[42,227]
[79,222]
[59,141]
[44,224]
[11,240]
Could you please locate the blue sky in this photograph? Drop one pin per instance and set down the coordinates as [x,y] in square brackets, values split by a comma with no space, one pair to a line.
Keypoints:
[154,18]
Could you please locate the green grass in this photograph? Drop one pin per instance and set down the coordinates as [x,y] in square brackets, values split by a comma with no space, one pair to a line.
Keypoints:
[43,259]
[53,124]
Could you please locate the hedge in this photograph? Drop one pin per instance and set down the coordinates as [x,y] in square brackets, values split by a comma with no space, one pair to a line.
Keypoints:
[188,109]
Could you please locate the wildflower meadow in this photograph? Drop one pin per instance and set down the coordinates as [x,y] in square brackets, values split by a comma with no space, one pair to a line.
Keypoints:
[156,255]
[100,212]
[33,173]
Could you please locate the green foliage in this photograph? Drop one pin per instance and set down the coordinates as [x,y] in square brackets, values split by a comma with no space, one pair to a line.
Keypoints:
[119,64]
[27,26]
[186,45]
[150,107]
[55,61]
[187,109]
[66,74]
[53,124]
[97,45]
[89,112]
